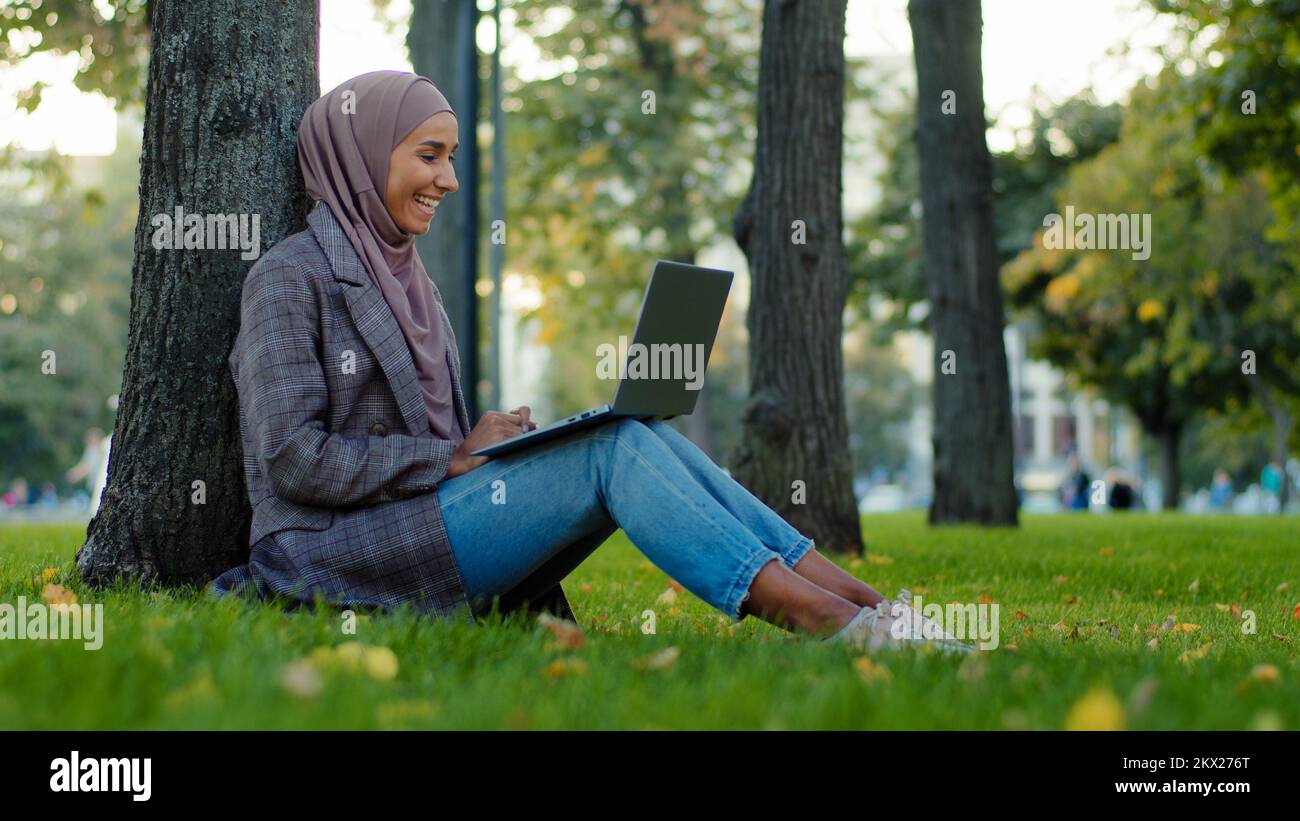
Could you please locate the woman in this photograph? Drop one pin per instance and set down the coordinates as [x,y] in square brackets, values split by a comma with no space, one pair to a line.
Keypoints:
[358,445]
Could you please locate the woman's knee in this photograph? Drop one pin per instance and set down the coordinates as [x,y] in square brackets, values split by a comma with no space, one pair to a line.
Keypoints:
[629,427]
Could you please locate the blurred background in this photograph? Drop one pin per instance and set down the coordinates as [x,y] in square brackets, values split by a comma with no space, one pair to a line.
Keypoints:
[1107,102]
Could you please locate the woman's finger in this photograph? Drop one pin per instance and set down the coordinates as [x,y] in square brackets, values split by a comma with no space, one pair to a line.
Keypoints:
[525,416]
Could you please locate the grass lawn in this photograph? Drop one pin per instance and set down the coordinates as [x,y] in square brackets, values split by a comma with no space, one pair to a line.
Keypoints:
[1080,599]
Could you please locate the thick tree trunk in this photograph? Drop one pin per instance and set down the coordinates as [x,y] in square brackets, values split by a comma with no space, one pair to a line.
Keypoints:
[973,446]
[1169,439]
[794,450]
[442,46]
[228,83]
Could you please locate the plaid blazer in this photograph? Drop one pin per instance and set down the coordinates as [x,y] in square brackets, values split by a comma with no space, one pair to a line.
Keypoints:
[341,464]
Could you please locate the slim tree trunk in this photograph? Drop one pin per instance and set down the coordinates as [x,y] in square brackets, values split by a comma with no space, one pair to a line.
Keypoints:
[1169,439]
[442,46]
[228,83]
[794,451]
[1282,424]
[1283,421]
[973,445]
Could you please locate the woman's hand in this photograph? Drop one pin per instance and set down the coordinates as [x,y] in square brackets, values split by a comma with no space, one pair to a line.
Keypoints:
[494,427]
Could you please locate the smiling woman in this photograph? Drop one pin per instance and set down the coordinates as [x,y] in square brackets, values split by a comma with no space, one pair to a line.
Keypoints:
[359,450]
[389,131]
[421,173]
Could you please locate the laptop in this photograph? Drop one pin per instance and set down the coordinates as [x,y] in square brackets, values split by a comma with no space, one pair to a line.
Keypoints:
[661,371]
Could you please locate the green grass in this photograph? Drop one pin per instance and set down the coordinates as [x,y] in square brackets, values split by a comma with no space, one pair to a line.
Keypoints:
[171,659]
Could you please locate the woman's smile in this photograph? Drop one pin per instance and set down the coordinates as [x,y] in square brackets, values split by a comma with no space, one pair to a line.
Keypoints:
[427,205]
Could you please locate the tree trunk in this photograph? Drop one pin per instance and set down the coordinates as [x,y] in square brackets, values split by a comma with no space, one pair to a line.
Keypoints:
[228,83]
[442,46]
[1282,424]
[794,451]
[1169,439]
[1283,421]
[973,446]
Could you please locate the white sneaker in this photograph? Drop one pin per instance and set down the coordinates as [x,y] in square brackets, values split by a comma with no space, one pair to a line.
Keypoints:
[869,629]
[891,625]
[924,629]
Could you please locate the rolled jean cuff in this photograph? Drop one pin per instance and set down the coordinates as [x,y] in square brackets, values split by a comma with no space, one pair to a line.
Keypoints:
[744,579]
[792,556]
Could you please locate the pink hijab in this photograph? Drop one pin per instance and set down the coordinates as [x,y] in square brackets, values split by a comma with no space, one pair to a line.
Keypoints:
[344,142]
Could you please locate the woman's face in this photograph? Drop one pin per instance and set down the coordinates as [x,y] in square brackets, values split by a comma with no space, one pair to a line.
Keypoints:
[420,172]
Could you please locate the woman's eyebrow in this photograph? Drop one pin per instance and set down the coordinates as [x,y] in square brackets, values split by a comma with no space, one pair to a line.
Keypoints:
[438,144]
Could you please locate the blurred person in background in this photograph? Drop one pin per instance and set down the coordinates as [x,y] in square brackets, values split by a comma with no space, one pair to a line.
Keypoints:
[16,496]
[1221,491]
[1122,491]
[1074,490]
[90,458]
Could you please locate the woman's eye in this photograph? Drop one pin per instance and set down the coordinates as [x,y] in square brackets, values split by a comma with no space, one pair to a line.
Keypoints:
[453,158]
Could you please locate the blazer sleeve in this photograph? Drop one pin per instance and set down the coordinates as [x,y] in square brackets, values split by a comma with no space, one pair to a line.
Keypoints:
[282,386]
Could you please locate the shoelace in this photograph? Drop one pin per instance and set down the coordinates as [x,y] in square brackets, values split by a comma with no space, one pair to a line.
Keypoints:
[941,635]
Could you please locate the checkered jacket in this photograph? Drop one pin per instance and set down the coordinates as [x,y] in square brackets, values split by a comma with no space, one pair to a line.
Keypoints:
[341,464]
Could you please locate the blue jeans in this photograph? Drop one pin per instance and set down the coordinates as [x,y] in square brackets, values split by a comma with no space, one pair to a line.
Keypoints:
[520,523]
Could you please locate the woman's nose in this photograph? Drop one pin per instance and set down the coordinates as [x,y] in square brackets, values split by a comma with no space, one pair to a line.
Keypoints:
[448,181]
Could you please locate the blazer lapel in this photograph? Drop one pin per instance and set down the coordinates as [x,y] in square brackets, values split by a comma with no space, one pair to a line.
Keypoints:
[373,318]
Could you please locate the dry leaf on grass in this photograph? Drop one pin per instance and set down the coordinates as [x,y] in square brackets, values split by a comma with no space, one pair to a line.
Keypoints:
[56,595]
[300,678]
[659,660]
[568,635]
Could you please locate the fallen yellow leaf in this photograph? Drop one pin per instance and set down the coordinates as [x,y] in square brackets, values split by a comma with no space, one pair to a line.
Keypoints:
[1097,709]
[57,595]
[380,663]
[870,671]
[567,666]
[1192,655]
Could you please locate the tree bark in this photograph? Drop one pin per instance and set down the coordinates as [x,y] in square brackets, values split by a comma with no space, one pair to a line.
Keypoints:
[790,227]
[973,445]
[442,46]
[228,83]
[1283,421]
[1169,439]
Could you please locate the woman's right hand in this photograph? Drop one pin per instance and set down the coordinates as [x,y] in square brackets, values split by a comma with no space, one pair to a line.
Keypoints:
[494,427]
